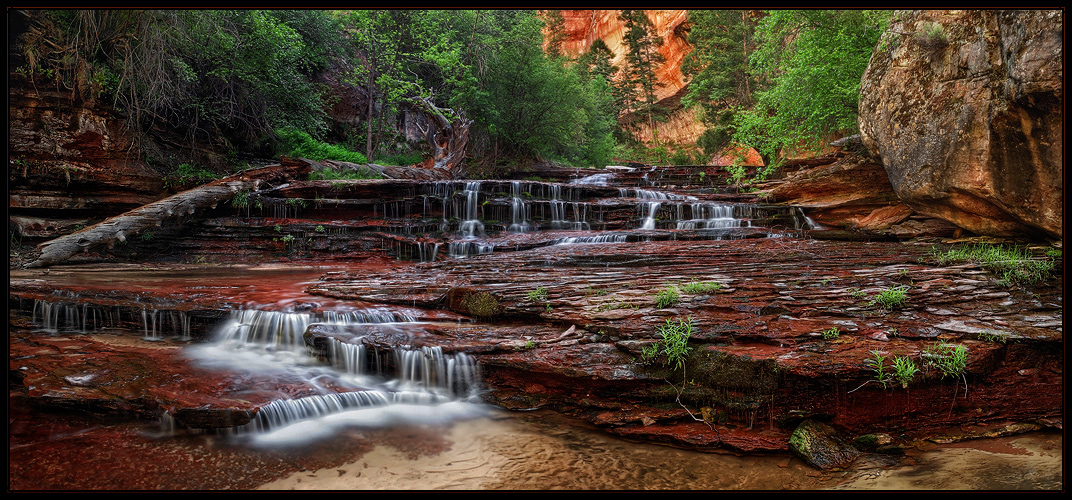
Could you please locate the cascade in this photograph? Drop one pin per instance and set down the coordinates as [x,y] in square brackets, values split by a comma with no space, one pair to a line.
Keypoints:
[471,227]
[594,179]
[519,210]
[358,385]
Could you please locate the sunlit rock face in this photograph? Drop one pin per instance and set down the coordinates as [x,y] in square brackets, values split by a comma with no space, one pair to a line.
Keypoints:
[965,109]
[583,27]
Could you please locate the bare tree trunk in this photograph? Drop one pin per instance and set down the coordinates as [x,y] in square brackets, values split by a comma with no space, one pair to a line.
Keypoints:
[448,136]
[188,202]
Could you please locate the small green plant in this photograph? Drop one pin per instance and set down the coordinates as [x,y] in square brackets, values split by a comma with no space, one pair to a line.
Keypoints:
[891,298]
[547,307]
[147,236]
[674,344]
[186,174]
[695,287]
[932,34]
[878,365]
[240,199]
[949,359]
[856,293]
[1011,264]
[702,175]
[831,333]
[319,228]
[296,202]
[621,304]
[667,297]
[278,228]
[989,336]
[538,295]
[904,370]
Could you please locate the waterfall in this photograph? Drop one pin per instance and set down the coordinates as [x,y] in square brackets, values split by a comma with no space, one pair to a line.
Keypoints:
[471,227]
[594,179]
[354,383]
[647,212]
[519,210]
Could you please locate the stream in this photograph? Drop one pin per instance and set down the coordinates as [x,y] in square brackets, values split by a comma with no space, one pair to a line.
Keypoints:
[374,405]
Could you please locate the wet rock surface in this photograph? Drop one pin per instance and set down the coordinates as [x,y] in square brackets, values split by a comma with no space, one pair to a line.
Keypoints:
[558,292]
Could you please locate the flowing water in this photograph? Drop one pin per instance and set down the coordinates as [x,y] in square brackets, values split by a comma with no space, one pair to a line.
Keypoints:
[353,400]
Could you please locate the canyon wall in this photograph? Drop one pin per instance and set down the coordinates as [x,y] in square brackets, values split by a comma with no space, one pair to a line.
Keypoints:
[583,27]
[965,108]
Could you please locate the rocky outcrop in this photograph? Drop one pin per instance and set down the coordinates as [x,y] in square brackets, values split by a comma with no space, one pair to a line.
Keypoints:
[965,109]
[69,162]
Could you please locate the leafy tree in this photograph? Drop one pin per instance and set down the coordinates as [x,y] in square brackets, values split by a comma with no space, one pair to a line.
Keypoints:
[810,63]
[718,66]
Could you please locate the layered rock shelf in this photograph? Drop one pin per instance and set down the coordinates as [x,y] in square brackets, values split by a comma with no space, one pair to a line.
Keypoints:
[555,292]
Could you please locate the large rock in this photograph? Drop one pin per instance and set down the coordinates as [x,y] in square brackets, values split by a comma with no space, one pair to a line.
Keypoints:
[964,107]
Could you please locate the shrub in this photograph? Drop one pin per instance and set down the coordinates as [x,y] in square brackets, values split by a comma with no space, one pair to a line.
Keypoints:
[878,365]
[186,174]
[332,175]
[481,304]
[297,143]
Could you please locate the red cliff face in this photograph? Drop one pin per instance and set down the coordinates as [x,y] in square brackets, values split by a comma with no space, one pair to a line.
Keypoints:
[583,27]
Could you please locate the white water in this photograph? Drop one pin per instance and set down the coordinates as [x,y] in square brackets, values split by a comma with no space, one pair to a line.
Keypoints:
[357,386]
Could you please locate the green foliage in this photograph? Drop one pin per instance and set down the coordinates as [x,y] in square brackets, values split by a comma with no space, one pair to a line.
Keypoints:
[891,298]
[856,293]
[949,359]
[187,175]
[147,236]
[674,344]
[831,333]
[297,143]
[1012,264]
[621,304]
[319,229]
[718,65]
[538,295]
[667,297]
[932,34]
[695,287]
[878,365]
[335,175]
[809,64]
[904,370]
[989,336]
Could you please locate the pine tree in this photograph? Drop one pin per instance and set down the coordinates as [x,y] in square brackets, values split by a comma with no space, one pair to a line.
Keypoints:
[642,58]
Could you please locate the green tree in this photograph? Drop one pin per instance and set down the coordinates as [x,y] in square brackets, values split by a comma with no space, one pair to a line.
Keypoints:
[642,57]
[810,63]
[718,69]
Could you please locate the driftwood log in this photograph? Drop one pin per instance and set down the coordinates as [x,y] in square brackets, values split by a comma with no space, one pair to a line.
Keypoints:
[186,203]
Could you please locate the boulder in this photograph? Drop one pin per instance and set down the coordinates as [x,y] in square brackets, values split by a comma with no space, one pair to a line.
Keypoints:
[821,446]
[965,110]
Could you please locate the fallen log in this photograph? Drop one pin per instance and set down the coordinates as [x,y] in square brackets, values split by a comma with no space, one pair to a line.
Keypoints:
[188,202]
